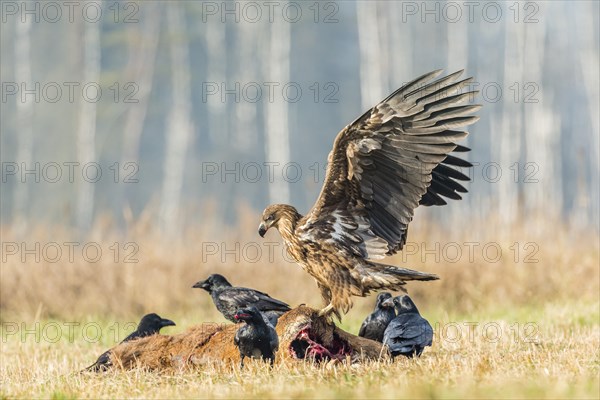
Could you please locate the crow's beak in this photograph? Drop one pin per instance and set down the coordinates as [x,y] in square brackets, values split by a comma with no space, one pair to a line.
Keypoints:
[201,285]
[167,322]
[241,316]
[388,303]
[262,229]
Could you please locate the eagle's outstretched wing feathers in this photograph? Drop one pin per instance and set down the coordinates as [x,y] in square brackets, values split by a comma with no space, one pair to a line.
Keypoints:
[388,161]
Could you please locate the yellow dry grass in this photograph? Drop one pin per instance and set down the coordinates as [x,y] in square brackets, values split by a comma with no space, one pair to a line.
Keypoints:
[507,327]
[560,360]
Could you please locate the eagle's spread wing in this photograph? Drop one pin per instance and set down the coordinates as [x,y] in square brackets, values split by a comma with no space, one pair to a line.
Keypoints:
[390,160]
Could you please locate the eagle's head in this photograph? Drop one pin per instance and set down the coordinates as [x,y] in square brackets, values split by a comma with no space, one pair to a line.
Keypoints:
[277,215]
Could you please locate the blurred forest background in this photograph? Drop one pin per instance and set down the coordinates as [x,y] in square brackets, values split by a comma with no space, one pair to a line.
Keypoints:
[173,124]
[196,97]
[141,140]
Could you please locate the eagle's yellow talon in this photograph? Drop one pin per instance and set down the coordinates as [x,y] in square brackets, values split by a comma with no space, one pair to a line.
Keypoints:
[325,311]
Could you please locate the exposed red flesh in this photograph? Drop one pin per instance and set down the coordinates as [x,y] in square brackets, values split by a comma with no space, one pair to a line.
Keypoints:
[318,352]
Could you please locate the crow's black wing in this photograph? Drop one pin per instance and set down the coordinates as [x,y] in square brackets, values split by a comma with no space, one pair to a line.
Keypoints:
[365,325]
[133,335]
[102,363]
[273,338]
[408,329]
[400,327]
[238,297]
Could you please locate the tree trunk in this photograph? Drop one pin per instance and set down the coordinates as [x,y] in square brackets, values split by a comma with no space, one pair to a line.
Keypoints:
[508,131]
[216,75]
[542,127]
[587,199]
[400,47]
[371,85]
[142,60]
[24,122]
[179,124]
[86,133]
[245,129]
[143,47]
[276,112]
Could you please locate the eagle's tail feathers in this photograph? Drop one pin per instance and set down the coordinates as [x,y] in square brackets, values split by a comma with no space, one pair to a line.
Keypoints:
[381,276]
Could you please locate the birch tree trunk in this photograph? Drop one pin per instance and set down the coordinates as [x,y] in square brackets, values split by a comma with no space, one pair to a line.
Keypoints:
[86,133]
[371,85]
[457,46]
[143,47]
[508,130]
[143,58]
[400,47]
[179,124]
[542,128]
[245,128]
[588,194]
[276,112]
[216,62]
[382,13]
[24,121]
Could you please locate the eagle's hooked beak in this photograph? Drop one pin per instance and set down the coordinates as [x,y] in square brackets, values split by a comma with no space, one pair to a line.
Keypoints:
[262,229]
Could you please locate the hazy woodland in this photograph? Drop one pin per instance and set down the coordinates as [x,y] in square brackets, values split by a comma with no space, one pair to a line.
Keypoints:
[140,142]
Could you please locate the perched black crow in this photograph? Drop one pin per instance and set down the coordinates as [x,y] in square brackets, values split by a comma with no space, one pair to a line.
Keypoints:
[374,325]
[408,333]
[256,339]
[149,325]
[228,299]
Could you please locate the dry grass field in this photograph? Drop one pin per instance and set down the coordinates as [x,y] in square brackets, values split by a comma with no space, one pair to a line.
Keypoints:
[516,313]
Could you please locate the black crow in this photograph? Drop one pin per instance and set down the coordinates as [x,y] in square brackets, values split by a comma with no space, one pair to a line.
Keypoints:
[256,339]
[150,324]
[408,333]
[228,299]
[374,325]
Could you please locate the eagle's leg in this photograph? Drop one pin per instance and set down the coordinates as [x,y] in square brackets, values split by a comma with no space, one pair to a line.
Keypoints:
[326,295]
[329,313]
[332,307]
[326,311]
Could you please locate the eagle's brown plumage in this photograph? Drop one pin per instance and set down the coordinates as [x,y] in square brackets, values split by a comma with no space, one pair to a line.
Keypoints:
[382,166]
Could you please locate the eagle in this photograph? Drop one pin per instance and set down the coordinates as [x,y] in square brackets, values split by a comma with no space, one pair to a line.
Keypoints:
[393,158]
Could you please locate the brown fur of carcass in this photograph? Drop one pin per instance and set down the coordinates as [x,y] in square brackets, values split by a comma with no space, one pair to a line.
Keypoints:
[211,343]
